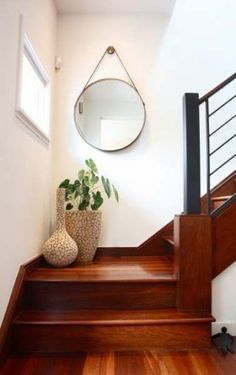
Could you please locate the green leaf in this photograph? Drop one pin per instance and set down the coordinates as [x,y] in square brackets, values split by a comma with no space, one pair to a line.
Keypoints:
[81,174]
[77,183]
[94,179]
[71,188]
[116,193]
[107,186]
[69,206]
[103,181]
[93,166]
[64,184]
[85,189]
[83,205]
[90,163]
[76,194]
[86,180]
[97,201]
[67,196]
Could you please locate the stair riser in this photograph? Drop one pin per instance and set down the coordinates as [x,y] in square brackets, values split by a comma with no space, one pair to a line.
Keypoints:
[70,295]
[217,204]
[71,339]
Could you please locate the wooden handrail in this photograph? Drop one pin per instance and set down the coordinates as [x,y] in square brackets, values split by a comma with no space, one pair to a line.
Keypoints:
[217,88]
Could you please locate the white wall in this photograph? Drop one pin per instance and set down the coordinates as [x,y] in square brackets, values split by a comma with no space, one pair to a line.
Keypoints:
[25,163]
[82,39]
[191,53]
[165,62]
[198,53]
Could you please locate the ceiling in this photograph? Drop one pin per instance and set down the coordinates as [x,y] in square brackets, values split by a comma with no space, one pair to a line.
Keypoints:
[115,6]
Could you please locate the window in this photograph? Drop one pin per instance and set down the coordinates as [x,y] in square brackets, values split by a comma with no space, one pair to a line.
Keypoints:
[33,103]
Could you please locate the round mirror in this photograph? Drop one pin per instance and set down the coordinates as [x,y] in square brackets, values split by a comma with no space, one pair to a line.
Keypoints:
[109,114]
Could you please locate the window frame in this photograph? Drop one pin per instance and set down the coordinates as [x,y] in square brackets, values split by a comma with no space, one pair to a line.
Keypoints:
[26,48]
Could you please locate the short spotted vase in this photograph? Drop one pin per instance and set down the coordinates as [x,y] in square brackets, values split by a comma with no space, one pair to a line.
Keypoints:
[60,250]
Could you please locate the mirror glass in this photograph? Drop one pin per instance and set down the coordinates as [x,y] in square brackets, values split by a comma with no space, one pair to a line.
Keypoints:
[109,114]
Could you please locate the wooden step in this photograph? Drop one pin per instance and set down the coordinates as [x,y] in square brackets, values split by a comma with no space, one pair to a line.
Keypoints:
[109,317]
[169,240]
[110,269]
[119,295]
[86,330]
[218,201]
[169,246]
[114,283]
[221,198]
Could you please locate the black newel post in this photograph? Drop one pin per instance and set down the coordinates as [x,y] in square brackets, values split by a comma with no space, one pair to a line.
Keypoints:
[191,154]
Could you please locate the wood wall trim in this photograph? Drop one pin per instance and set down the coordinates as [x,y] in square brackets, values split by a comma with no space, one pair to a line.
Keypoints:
[224,239]
[117,251]
[14,306]
[152,246]
[155,244]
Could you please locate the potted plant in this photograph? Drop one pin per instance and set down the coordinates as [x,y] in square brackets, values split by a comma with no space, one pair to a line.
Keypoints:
[83,198]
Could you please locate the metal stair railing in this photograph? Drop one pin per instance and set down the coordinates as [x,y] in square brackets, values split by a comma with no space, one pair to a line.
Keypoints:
[191,106]
[209,134]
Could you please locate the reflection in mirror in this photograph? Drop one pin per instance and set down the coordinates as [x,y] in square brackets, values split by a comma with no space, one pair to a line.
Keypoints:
[109,114]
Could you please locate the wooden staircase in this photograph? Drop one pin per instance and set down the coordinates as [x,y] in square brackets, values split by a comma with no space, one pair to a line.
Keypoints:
[154,296]
[133,300]
[126,303]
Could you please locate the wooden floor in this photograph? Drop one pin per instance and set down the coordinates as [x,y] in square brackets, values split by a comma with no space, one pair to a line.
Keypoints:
[124,363]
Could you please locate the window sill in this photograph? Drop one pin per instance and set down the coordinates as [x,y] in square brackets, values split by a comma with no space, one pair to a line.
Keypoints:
[31,125]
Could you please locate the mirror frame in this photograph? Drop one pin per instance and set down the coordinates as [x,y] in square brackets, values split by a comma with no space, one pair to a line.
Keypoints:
[109,79]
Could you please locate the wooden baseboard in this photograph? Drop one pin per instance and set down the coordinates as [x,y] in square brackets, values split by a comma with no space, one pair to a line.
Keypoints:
[13,307]
[117,251]
[155,244]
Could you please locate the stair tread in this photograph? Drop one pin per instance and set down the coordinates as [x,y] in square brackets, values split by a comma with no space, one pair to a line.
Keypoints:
[221,198]
[109,317]
[169,239]
[109,269]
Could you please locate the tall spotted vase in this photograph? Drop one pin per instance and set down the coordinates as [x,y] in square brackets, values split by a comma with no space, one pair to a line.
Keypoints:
[60,249]
[84,227]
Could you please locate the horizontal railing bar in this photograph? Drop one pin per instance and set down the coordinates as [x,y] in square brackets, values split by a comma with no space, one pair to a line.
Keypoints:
[222,165]
[223,144]
[222,105]
[217,88]
[226,122]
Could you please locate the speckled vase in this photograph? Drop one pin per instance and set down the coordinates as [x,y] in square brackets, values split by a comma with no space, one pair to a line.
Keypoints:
[84,227]
[60,249]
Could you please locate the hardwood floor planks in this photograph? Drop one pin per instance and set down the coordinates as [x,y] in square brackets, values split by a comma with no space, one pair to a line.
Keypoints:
[125,363]
[129,364]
